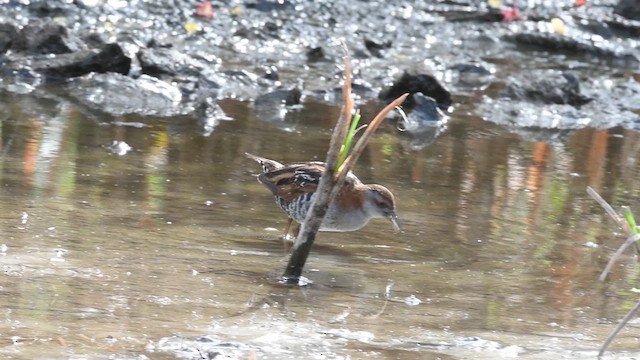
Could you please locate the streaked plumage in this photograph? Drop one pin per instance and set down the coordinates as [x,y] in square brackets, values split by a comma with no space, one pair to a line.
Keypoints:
[294,186]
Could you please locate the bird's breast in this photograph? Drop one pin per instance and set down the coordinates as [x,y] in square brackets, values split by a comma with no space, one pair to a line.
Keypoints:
[337,218]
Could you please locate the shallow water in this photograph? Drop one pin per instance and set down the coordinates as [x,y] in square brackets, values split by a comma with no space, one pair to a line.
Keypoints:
[140,255]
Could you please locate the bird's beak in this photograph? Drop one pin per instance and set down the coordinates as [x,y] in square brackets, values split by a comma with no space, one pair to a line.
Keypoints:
[395,221]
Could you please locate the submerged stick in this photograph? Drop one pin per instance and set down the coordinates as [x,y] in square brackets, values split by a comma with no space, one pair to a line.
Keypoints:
[615,331]
[332,179]
[315,216]
[629,226]
[630,240]
[608,208]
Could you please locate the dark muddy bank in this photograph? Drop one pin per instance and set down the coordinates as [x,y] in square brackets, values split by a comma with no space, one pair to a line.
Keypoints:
[135,240]
[559,66]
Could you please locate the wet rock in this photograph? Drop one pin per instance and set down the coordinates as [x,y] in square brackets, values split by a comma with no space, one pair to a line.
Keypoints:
[471,68]
[271,73]
[527,115]
[464,12]
[278,107]
[316,54]
[238,84]
[517,115]
[375,48]
[623,27]
[598,27]
[110,58]
[421,83]
[165,61]
[629,9]
[282,32]
[8,34]
[196,76]
[424,113]
[270,28]
[280,97]
[294,97]
[209,114]
[51,8]
[555,88]
[359,90]
[268,6]
[23,81]
[584,46]
[204,347]
[119,95]
[41,37]
[544,104]
[95,40]
[472,75]
[424,123]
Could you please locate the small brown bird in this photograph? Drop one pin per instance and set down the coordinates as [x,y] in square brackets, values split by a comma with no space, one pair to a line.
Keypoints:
[294,186]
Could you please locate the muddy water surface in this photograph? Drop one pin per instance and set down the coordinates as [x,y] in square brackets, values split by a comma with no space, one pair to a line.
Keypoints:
[171,249]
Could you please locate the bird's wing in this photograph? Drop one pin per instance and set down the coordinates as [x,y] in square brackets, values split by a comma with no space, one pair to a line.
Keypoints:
[292,181]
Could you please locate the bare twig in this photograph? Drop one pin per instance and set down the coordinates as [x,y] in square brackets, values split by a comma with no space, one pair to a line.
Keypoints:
[629,226]
[387,295]
[362,143]
[364,139]
[630,241]
[615,331]
[605,205]
[332,179]
[324,194]
[347,108]
[632,234]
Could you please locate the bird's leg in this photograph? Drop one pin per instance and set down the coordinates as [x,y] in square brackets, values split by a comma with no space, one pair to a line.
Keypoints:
[285,236]
[296,231]
[287,241]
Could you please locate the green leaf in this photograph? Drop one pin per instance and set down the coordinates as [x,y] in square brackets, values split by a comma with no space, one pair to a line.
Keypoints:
[348,141]
[626,211]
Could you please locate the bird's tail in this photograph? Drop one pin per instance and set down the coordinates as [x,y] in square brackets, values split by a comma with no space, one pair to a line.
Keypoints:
[267,164]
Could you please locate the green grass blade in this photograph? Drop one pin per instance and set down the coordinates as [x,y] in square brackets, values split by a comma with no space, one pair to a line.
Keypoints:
[348,141]
[626,211]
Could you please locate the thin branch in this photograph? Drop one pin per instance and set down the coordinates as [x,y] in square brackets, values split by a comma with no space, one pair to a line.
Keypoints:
[615,331]
[630,240]
[347,109]
[364,139]
[342,126]
[629,226]
[605,205]
[332,179]
[328,182]
[387,295]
